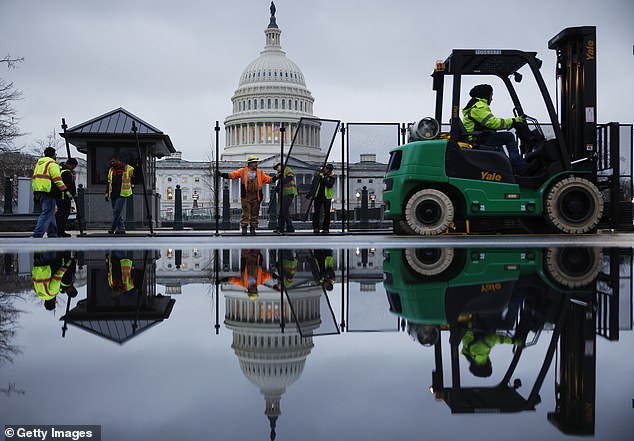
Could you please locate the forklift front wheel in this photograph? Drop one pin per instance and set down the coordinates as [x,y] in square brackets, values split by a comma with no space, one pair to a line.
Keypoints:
[429,212]
[573,205]
[574,267]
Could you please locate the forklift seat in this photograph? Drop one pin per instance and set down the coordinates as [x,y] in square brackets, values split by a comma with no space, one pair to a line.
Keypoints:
[459,133]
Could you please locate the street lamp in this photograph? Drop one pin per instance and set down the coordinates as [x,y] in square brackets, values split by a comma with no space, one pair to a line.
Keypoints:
[372,200]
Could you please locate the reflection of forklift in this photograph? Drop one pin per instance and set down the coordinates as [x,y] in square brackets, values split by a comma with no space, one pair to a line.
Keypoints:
[435,181]
[516,293]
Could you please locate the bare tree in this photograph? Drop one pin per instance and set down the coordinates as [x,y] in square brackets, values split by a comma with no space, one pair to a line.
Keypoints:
[11,288]
[11,61]
[9,129]
[51,140]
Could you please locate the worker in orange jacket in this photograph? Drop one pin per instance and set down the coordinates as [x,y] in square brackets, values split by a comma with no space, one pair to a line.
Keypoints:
[250,192]
[253,275]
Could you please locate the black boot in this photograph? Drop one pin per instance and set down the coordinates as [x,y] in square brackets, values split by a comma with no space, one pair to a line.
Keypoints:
[244,231]
[252,229]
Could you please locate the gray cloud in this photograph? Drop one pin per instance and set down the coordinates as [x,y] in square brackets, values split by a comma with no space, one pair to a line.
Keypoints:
[176,64]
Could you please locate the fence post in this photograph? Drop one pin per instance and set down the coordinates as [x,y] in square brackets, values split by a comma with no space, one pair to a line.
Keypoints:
[364,209]
[8,195]
[178,258]
[226,221]
[178,208]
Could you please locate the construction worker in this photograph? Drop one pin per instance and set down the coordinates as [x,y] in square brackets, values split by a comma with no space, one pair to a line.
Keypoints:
[323,268]
[119,273]
[288,269]
[477,116]
[118,191]
[321,192]
[250,192]
[252,273]
[476,347]
[286,190]
[47,273]
[47,184]
[64,202]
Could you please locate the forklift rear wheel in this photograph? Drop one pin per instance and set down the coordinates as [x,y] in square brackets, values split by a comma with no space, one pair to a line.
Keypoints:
[573,205]
[429,211]
[429,261]
[573,267]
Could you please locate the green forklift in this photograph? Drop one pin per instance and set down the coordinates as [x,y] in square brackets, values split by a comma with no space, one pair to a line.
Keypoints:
[513,294]
[444,181]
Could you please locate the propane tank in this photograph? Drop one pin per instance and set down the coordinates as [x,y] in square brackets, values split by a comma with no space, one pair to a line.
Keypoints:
[423,130]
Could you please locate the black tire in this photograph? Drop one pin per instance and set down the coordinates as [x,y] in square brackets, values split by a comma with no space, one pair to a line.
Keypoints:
[573,205]
[429,261]
[429,212]
[573,267]
[400,227]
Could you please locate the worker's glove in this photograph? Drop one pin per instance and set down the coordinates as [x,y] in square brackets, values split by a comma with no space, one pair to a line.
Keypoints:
[223,175]
[69,195]
[274,178]
[519,120]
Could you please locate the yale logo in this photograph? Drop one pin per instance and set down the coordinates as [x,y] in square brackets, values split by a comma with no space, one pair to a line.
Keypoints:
[490,287]
[590,50]
[488,176]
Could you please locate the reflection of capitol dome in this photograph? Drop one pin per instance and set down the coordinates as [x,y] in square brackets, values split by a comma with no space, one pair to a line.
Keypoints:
[269,358]
[272,90]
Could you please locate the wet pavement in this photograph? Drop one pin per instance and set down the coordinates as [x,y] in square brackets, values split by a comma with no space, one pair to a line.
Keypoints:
[372,338]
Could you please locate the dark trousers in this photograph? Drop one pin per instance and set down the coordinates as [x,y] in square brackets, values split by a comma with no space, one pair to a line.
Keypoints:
[118,206]
[319,206]
[285,222]
[61,217]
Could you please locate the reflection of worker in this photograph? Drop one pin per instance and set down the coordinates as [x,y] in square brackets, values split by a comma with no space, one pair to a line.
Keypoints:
[476,347]
[252,179]
[478,116]
[323,268]
[288,269]
[48,270]
[252,273]
[321,192]
[119,273]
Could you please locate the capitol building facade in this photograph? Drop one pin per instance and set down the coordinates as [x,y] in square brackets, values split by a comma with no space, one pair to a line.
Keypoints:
[272,91]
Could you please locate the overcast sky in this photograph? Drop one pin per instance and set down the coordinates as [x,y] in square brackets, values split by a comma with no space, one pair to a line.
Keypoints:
[177,64]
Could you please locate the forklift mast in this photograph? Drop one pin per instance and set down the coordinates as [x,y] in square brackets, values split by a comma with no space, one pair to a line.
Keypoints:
[577,74]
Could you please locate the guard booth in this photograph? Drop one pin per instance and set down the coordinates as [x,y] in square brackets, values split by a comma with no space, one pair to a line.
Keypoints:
[105,135]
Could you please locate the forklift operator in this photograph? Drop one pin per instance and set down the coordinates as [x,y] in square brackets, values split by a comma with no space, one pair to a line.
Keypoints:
[477,116]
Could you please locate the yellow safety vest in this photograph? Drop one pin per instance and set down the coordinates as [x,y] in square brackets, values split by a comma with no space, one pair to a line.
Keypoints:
[46,284]
[45,173]
[126,182]
[126,274]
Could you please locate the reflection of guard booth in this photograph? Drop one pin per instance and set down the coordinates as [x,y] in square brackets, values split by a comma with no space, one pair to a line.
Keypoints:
[112,133]
[119,315]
